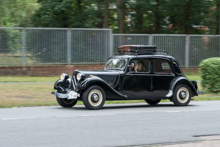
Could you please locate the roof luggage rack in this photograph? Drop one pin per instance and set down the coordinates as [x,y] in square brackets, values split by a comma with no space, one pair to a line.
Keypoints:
[140,50]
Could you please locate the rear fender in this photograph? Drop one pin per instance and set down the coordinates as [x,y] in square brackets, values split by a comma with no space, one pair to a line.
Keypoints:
[111,93]
[183,80]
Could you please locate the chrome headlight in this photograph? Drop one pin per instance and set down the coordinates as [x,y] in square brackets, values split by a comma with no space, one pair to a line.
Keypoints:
[79,76]
[64,76]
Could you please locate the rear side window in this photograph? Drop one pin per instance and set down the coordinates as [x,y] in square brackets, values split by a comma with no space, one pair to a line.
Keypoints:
[161,66]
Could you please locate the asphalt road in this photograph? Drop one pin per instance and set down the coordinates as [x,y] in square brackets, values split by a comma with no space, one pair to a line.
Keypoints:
[114,125]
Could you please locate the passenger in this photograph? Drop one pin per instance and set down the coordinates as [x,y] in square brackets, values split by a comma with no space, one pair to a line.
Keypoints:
[139,67]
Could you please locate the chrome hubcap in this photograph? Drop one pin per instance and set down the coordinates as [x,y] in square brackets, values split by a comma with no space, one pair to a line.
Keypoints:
[182,95]
[95,98]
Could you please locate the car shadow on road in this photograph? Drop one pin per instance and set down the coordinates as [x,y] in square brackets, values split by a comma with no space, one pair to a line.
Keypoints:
[125,106]
[142,106]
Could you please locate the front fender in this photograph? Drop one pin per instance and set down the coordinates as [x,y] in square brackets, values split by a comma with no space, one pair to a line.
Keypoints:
[183,80]
[94,80]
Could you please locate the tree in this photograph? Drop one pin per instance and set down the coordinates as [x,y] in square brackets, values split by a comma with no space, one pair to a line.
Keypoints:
[217,17]
[67,14]
[17,13]
[106,14]
[185,13]
[157,17]
[121,15]
[100,6]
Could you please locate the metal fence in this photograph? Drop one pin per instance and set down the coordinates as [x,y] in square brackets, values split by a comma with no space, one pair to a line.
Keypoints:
[27,46]
[189,50]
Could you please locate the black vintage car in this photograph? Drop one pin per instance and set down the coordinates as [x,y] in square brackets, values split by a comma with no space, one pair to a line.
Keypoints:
[137,72]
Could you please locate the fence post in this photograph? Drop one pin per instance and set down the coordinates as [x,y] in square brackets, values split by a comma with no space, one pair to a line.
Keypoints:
[69,46]
[23,46]
[150,41]
[187,46]
[111,41]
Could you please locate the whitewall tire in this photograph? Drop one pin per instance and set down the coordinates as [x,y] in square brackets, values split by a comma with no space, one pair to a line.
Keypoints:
[94,97]
[182,95]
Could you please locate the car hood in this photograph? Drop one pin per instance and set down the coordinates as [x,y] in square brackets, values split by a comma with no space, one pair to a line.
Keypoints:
[110,76]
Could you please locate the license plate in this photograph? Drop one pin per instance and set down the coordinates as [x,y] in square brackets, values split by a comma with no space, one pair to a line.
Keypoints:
[72,95]
[60,95]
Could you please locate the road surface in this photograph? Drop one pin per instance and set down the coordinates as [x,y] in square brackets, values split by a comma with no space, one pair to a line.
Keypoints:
[114,125]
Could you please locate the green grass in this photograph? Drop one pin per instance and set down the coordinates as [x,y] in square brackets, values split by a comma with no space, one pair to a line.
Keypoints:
[23,95]
[6,79]
[193,77]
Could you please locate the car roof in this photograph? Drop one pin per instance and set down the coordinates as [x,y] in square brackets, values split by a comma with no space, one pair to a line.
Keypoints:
[126,56]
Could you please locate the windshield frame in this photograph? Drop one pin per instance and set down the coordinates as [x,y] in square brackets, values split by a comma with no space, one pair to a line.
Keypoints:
[121,69]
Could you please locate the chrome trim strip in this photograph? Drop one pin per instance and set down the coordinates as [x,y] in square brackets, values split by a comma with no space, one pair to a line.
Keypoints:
[170,93]
[73,85]
[74,80]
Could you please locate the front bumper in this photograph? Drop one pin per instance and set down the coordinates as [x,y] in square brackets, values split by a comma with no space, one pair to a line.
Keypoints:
[70,95]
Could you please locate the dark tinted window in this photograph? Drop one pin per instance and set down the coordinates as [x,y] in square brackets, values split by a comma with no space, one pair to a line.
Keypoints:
[161,66]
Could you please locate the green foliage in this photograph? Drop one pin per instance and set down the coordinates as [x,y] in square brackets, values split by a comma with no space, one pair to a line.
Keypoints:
[17,13]
[141,16]
[66,13]
[210,73]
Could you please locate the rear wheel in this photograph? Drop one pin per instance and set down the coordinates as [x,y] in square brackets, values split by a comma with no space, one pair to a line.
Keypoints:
[94,97]
[153,102]
[182,95]
[66,103]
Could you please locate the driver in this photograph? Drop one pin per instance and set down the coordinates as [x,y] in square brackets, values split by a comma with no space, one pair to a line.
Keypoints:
[139,67]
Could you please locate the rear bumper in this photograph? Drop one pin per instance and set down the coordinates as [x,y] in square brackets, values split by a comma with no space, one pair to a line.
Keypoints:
[200,92]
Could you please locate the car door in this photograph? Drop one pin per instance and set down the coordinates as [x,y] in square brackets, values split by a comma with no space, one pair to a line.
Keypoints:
[137,85]
[162,75]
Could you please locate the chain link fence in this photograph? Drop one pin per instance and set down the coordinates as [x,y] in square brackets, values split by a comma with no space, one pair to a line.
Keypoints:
[28,46]
[189,50]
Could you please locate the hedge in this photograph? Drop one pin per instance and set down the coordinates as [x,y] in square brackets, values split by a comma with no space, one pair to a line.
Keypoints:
[210,73]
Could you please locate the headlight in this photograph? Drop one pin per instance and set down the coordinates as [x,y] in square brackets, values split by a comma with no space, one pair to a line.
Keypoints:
[64,76]
[78,76]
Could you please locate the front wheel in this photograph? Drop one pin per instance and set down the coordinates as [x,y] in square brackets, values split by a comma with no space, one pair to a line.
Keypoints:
[182,95]
[153,102]
[66,103]
[94,97]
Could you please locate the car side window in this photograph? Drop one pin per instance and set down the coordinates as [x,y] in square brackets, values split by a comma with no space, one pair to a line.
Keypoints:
[161,66]
[140,65]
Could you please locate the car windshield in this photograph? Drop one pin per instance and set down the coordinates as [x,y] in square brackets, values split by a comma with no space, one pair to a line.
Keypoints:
[118,64]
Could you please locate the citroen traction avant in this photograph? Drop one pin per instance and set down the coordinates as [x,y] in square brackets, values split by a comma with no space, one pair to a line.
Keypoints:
[137,72]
